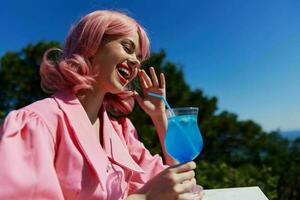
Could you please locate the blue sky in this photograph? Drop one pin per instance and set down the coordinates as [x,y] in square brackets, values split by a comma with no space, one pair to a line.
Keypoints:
[246,53]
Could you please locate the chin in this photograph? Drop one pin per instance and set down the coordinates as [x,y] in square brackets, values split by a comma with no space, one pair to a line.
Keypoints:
[119,88]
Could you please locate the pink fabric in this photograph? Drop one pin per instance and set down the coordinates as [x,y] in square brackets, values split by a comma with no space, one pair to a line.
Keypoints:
[48,150]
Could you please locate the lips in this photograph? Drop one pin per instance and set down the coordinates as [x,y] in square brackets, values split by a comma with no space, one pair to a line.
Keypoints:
[124,73]
[121,79]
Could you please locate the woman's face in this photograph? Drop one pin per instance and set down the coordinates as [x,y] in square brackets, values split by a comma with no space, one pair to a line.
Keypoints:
[117,62]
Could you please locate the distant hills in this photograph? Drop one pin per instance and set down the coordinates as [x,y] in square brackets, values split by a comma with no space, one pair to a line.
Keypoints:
[291,135]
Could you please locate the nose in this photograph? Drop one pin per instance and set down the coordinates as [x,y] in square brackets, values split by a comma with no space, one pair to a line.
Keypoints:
[134,62]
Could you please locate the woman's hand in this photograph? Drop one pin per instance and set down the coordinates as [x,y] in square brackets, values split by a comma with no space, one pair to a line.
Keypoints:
[174,183]
[153,106]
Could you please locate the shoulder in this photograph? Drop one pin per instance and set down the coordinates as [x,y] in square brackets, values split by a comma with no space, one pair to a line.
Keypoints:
[39,117]
[48,111]
[44,107]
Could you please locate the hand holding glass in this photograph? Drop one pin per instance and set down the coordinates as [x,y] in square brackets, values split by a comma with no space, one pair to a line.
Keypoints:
[183,140]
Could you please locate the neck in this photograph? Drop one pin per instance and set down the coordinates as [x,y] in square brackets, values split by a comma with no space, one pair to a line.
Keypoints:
[92,103]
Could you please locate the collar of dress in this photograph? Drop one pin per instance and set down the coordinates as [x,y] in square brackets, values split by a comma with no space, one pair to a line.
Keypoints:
[113,150]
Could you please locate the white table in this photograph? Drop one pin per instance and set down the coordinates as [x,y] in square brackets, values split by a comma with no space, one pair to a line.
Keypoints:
[240,193]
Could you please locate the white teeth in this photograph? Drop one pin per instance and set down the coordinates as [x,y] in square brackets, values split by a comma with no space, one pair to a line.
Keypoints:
[124,70]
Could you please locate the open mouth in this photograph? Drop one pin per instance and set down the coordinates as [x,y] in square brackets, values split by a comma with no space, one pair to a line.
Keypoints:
[124,73]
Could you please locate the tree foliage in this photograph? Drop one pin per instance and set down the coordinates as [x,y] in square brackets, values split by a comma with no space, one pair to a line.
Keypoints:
[236,153]
[19,76]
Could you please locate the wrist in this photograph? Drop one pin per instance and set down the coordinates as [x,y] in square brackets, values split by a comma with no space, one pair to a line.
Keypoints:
[160,123]
[160,117]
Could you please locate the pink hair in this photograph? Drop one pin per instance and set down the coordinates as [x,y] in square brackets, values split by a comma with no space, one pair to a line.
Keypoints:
[74,71]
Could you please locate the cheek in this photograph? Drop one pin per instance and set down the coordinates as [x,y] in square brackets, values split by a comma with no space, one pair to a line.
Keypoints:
[134,74]
[107,59]
[109,56]
[136,71]
[113,53]
[105,64]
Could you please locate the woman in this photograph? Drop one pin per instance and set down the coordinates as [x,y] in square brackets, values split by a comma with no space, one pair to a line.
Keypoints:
[69,146]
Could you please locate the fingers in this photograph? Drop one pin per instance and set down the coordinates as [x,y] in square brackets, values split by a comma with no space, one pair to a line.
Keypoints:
[162,81]
[186,186]
[145,78]
[147,82]
[201,194]
[142,79]
[154,77]
[180,185]
[183,177]
[180,173]
[190,196]
[186,176]
[184,167]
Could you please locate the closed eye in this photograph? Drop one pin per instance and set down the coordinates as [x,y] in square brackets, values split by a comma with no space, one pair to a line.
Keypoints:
[128,47]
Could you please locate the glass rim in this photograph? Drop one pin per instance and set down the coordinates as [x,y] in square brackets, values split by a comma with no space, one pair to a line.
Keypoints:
[183,110]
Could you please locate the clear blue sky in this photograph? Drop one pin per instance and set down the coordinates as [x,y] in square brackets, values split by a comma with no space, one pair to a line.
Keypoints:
[244,52]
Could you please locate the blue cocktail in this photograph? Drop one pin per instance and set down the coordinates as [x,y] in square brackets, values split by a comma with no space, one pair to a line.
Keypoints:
[183,138]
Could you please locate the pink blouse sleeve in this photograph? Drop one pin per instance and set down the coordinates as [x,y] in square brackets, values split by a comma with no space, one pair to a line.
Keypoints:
[27,158]
[152,165]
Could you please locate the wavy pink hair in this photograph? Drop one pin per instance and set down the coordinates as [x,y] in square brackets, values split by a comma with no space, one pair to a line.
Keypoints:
[74,71]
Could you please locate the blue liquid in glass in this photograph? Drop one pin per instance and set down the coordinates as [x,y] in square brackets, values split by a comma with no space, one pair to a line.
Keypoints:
[183,139]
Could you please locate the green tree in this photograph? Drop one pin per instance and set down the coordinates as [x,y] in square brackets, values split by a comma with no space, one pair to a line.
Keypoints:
[19,76]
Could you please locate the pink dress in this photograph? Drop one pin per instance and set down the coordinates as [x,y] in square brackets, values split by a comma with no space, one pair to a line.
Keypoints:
[48,150]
